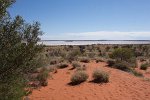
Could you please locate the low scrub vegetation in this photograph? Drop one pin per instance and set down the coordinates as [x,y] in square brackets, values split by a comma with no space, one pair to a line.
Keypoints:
[144,66]
[85,60]
[122,66]
[136,73]
[62,65]
[79,77]
[43,76]
[99,60]
[76,65]
[110,62]
[99,76]
[122,54]
[82,68]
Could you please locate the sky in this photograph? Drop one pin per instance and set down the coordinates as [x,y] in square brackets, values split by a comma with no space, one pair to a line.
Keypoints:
[87,19]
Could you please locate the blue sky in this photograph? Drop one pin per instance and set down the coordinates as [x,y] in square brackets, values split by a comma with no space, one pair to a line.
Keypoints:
[88,19]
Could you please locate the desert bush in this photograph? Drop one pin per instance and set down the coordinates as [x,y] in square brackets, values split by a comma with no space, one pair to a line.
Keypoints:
[110,62]
[62,65]
[100,76]
[85,60]
[76,65]
[73,55]
[122,66]
[122,54]
[79,77]
[18,52]
[144,66]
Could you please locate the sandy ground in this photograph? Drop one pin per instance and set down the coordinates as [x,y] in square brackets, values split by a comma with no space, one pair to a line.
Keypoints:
[122,86]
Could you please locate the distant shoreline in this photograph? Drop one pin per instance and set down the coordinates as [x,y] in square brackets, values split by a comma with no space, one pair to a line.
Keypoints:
[92,42]
[95,40]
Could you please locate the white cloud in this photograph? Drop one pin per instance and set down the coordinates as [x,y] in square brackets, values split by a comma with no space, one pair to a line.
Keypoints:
[100,35]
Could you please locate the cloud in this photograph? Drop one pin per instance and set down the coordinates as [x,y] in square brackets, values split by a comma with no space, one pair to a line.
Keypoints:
[100,35]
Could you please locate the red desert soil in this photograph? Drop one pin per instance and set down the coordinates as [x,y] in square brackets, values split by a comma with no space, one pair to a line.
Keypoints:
[122,86]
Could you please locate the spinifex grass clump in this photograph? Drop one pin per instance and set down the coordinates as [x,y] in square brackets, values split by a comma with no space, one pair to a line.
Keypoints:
[43,76]
[76,65]
[99,76]
[79,77]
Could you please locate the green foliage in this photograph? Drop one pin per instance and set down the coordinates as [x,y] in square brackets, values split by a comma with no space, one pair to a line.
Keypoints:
[122,66]
[79,77]
[122,54]
[18,52]
[4,4]
[100,76]
[144,66]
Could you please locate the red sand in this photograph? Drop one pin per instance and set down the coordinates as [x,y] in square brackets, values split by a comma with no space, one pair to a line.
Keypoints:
[122,86]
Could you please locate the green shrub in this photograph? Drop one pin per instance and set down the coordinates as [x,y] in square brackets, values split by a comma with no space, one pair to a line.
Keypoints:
[79,77]
[100,76]
[85,60]
[122,54]
[122,66]
[144,66]
[62,65]
[76,65]
[110,62]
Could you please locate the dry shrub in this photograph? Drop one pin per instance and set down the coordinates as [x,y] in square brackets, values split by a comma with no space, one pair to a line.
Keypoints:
[79,77]
[100,76]
[76,65]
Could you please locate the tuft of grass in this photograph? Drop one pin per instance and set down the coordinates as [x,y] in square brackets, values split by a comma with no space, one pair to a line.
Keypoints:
[99,76]
[79,77]
[136,73]
[62,65]
[43,76]
[144,66]
[146,79]
[76,65]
